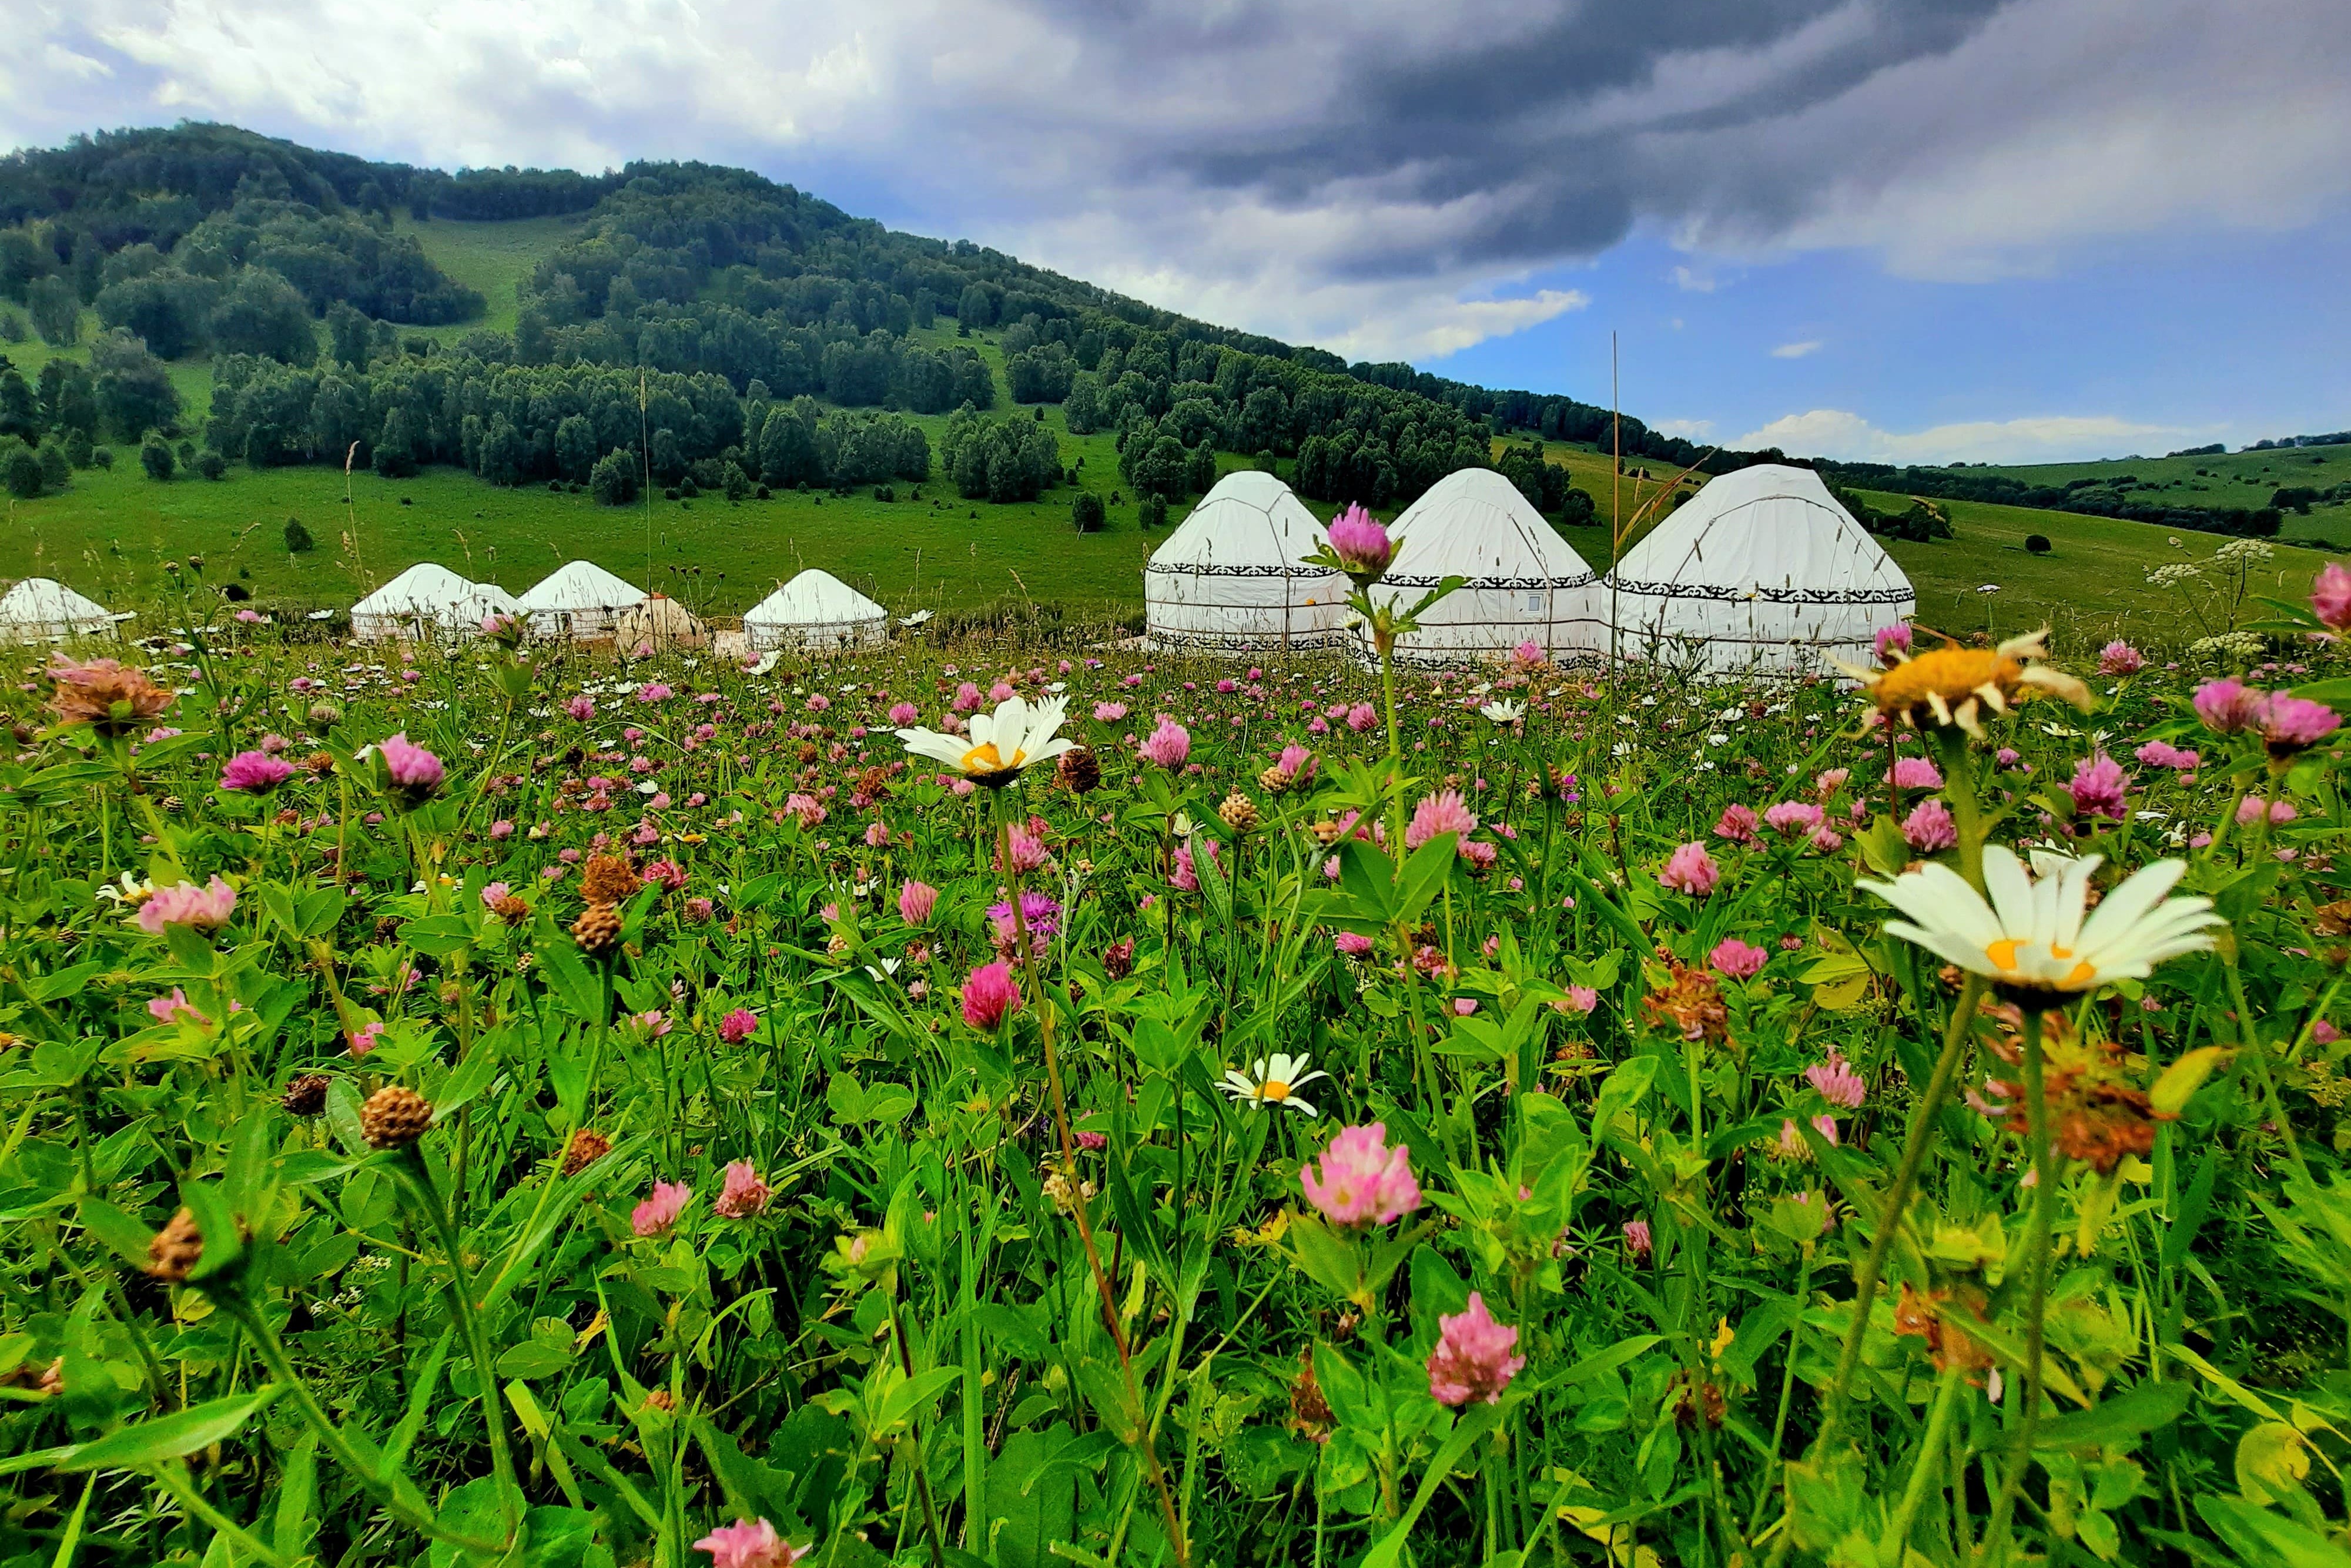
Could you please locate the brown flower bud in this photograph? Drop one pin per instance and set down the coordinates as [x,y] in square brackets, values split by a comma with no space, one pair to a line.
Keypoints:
[511,909]
[586,1147]
[307,1095]
[598,929]
[1326,833]
[1118,958]
[394,1117]
[178,1248]
[609,879]
[1240,813]
[1078,770]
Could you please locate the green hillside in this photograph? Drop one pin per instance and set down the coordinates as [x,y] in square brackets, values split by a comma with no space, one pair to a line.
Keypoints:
[2249,479]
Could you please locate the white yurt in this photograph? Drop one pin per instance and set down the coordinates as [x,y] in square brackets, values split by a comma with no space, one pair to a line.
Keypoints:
[1232,577]
[1524,583]
[577,599]
[1760,572]
[427,601]
[818,612]
[43,610]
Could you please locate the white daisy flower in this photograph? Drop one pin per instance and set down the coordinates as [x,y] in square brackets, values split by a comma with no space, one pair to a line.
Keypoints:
[2033,935]
[1273,1081]
[1504,712]
[1017,735]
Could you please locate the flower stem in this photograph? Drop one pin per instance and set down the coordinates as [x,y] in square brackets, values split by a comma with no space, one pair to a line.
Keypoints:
[1930,1452]
[2044,1204]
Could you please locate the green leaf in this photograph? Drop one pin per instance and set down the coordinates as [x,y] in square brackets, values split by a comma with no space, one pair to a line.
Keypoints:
[116,1229]
[1106,1390]
[2179,1082]
[2120,1419]
[1215,888]
[63,983]
[439,936]
[171,1437]
[1423,876]
[475,1073]
[916,1394]
[534,1358]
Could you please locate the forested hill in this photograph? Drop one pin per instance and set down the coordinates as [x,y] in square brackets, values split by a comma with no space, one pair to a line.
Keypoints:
[733,328]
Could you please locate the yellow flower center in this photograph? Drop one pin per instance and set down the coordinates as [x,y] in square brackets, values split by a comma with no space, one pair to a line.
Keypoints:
[1273,1089]
[2081,975]
[983,759]
[2003,953]
[1949,673]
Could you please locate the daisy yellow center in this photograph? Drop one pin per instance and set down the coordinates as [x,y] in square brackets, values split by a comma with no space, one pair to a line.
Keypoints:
[1948,673]
[1273,1089]
[983,759]
[2003,953]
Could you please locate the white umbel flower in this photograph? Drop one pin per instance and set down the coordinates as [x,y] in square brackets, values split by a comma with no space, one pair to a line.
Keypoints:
[2033,936]
[1273,1081]
[1017,735]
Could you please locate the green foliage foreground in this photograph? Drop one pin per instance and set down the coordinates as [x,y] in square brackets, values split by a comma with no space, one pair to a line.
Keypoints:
[498,1106]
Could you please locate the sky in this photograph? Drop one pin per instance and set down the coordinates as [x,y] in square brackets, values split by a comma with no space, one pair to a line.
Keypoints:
[1897,230]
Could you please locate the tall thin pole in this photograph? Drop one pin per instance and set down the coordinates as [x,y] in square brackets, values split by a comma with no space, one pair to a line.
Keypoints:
[1615,480]
[646,458]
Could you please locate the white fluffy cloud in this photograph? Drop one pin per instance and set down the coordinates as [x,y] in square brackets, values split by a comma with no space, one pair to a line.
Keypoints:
[1834,433]
[1810,346]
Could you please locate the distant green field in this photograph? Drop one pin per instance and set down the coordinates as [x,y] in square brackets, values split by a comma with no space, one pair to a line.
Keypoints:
[491,257]
[2220,479]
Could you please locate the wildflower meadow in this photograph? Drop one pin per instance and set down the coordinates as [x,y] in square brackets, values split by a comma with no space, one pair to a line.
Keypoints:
[979,1103]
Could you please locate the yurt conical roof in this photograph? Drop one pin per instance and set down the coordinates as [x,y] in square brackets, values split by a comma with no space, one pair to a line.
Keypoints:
[427,597]
[426,588]
[581,585]
[41,606]
[1232,576]
[1523,582]
[814,609]
[1763,570]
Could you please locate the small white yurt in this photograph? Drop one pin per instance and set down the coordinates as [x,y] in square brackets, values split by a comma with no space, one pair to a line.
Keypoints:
[427,601]
[1760,572]
[577,599]
[818,612]
[43,610]
[1232,577]
[1524,583]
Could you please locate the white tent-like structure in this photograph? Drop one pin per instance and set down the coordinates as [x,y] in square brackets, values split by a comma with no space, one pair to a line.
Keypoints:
[427,601]
[1232,578]
[1761,571]
[817,612]
[577,599]
[1524,583]
[43,610]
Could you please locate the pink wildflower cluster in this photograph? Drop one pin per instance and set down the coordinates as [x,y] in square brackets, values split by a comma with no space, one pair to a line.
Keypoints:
[1363,1182]
[1475,1357]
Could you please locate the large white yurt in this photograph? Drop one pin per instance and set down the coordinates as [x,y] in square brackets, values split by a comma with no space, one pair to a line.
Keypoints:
[817,612]
[1524,583]
[43,610]
[427,601]
[577,599]
[1760,572]
[1232,578]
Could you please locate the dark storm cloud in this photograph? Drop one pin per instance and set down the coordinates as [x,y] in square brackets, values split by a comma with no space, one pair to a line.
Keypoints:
[1500,119]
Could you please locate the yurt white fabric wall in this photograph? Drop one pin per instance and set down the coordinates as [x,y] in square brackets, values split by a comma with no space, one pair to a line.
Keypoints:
[818,612]
[1763,571]
[1524,583]
[577,599]
[43,610]
[427,601]
[1231,578]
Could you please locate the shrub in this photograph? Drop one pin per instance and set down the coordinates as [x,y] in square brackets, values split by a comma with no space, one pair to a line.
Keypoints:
[21,472]
[2037,544]
[57,471]
[884,493]
[210,464]
[1086,512]
[1152,511]
[155,456]
[297,537]
[613,481]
